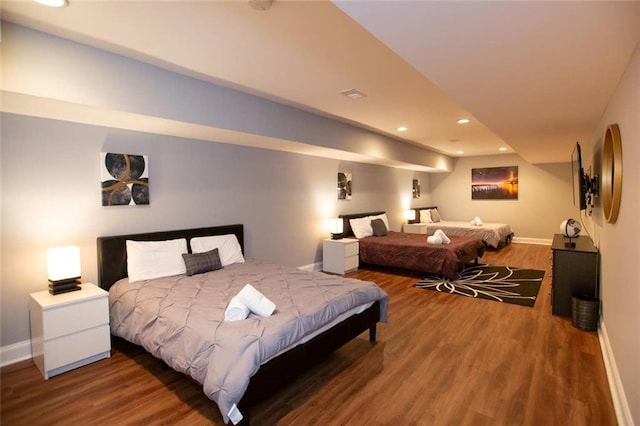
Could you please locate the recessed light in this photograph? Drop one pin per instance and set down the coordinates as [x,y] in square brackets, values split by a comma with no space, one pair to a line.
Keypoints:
[353,94]
[52,3]
[402,129]
[502,149]
[459,152]
[463,121]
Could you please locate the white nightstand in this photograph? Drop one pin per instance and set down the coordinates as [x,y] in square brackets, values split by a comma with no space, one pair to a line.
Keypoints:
[340,256]
[415,228]
[69,330]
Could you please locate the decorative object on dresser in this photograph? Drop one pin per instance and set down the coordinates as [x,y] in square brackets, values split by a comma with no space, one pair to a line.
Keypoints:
[575,273]
[499,283]
[340,256]
[570,228]
[69,330]
[63,268]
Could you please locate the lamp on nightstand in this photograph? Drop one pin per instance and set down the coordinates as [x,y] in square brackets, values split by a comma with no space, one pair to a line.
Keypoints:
[410,215]
[63,268]
[336,228]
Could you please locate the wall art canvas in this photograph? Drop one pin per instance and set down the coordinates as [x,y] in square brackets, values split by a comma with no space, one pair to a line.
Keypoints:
[416,188]
[124,178]
[494,183]
[344,186]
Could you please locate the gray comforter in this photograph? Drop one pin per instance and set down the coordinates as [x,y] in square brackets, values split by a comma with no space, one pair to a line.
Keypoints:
[180,319]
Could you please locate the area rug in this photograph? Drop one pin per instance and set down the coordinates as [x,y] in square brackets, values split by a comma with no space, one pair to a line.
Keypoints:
[499,283]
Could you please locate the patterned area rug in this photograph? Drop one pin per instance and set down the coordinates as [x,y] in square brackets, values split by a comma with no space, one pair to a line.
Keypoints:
[499,283]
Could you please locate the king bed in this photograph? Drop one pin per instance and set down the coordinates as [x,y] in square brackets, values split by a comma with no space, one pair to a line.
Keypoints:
[181,318]
[409,251]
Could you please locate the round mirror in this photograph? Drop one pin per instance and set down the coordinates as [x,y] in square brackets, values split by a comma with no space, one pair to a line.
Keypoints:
[611,173]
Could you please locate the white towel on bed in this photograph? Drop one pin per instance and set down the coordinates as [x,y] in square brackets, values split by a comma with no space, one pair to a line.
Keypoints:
[236,311]
[256,301]
[476,221]
[440,233]
[434,240]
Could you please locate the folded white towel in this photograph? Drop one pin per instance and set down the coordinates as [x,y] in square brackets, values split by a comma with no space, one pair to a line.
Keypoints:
[440,233]
[256,301]
[434,240]
[476,221]
[236,311]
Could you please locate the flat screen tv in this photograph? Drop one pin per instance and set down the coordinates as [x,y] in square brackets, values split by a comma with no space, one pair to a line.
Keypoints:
[579,182]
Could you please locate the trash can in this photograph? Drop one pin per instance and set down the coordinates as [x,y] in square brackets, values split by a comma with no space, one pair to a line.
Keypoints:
[585,312]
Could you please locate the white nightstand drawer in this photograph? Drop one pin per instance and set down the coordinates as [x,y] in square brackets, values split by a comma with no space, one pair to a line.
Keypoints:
[351,249]
[415,228]
[62,320]
[351,263]
[68,349]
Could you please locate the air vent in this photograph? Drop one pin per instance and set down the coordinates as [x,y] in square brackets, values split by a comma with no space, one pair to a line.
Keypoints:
[353,94]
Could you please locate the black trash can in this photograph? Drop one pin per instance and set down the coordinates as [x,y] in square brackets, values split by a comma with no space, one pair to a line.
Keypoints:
[585,312]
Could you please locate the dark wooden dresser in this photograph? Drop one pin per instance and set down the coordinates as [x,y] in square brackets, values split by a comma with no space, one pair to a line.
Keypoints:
[574,271]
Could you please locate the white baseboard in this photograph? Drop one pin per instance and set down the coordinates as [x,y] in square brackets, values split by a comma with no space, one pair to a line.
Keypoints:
[312,267]
[620,404]
[526,240]
[13,353]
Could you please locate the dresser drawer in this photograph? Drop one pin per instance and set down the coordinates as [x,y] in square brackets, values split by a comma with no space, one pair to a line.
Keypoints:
[71,348]
[62,320]
[351,249]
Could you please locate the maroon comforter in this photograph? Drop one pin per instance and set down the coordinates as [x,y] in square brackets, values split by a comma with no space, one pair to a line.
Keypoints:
[411,251]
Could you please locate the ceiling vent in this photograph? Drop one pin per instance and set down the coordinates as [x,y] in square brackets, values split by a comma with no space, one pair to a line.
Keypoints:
[353,94]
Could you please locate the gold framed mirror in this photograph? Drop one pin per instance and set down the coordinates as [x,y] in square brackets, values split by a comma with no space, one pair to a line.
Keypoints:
[612,173]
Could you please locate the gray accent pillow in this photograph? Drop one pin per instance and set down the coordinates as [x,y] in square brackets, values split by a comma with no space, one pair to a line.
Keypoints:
[197,263]
[379,228]
[435,216]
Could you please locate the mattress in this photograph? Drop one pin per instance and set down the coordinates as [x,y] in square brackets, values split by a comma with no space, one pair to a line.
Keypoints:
[180,319]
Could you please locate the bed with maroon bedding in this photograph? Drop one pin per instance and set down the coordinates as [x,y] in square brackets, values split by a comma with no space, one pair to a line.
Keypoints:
[412,252]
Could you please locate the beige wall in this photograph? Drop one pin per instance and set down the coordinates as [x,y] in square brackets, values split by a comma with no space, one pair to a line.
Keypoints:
[619,247]
[545,196]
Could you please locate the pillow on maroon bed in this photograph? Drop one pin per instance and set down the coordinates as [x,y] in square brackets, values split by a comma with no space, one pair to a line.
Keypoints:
[197,263]
[379,228]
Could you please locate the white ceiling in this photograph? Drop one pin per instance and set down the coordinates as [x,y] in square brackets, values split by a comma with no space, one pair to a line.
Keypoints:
[533,77]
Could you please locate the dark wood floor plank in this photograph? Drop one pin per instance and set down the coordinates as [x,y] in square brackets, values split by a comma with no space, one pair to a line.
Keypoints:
[441,360]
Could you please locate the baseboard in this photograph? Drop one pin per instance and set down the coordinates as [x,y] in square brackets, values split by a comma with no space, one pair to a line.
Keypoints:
[13,353]
[312,267]
[620,404]
[526,240]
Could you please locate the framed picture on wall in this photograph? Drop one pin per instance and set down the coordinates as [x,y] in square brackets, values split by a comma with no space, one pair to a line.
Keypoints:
[416,188]
[124,179]
[494,183]
[344,186]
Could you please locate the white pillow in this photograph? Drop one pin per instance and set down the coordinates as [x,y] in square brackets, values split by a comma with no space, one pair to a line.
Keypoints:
[228,247]
[361,227]
[425,216]
[155,259]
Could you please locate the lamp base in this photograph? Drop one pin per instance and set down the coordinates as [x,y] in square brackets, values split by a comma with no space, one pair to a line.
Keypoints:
[64,286]
[55,291]
[336,236]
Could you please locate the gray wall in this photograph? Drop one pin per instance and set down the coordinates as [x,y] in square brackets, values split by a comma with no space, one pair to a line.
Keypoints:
[51,196]
[544,196]
[619,248]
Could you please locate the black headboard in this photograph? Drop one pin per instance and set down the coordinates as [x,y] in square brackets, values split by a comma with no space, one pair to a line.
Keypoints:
[346,226]
[112,250]
[417,209]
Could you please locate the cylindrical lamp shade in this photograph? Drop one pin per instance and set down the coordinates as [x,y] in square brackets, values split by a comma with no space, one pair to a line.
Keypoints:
[336,226]
[63,263]
[410,214]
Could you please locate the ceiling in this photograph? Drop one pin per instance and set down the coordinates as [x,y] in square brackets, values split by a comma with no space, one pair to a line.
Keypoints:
[532,77]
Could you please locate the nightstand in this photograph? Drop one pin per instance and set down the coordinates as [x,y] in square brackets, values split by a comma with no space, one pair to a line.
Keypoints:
[340,256]
[69,330]
[415,228]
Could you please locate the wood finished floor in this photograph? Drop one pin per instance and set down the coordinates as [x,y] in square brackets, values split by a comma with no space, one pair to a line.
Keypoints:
[441,360]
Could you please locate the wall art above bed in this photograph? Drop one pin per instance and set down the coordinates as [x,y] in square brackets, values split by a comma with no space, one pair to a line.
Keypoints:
[344,186]
[124,179]
[494,183]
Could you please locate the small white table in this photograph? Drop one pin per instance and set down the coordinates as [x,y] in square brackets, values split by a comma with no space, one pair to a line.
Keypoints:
[415,228]
[69,330]
[340,256]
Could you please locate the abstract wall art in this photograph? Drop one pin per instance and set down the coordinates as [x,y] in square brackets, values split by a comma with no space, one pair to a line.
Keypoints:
[124,178]
[344,186]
